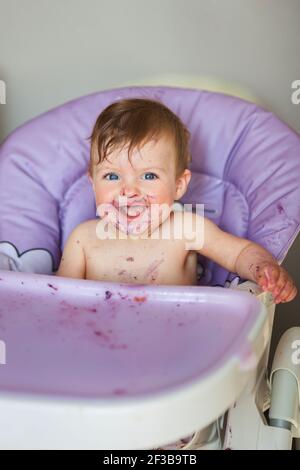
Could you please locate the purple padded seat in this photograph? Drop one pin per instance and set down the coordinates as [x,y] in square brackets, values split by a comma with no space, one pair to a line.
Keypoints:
[245,170]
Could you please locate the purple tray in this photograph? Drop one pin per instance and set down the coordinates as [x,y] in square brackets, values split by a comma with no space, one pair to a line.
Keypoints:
[79,338]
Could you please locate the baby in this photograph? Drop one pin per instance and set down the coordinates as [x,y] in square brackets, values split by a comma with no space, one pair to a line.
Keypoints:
[138,167]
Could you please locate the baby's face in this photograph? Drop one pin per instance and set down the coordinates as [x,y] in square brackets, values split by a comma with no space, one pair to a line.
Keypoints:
[137,194]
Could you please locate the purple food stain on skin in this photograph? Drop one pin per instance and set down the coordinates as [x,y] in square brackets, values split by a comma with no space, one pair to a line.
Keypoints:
[152,269]
[130,258]
[52,286]
[108,295]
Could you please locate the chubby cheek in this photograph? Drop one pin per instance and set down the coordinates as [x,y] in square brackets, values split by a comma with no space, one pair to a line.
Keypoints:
[161,195]
[160,201]
[103,195]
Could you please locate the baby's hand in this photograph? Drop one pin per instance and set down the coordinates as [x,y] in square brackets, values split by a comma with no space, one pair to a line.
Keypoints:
[275,279]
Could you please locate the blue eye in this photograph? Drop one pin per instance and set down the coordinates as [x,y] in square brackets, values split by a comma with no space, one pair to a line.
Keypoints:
[150,176]
[113,176]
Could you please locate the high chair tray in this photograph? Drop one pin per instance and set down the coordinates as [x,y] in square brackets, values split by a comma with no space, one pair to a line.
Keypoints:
[105,365]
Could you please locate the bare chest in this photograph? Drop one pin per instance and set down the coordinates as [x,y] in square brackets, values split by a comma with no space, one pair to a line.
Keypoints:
[143,261]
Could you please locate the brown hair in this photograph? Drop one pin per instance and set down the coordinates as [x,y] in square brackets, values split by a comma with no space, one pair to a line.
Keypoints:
[135,121]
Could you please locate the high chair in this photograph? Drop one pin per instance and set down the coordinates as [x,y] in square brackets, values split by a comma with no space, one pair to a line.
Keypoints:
[86,364]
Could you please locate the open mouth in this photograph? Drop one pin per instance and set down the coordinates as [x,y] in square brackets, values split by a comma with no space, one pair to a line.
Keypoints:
[133,211]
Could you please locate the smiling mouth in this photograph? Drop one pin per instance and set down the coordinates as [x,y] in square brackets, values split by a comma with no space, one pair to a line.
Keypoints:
[131,211]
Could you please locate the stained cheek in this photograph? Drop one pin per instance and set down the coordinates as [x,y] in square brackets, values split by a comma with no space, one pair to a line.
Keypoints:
[151,198]
[158,201]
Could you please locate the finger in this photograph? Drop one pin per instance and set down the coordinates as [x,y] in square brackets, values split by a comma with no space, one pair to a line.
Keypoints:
[272,274]
[286,290]
[292,294]
[261,278]
[287,298]
[264,278]
[283,281]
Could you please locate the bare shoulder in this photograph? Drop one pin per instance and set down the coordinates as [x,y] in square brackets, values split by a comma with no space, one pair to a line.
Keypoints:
[73,262]
[192,226]
[86,230]
[188,219]
[88,224]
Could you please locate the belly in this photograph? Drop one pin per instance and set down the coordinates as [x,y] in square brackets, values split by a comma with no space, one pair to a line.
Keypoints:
[143,268]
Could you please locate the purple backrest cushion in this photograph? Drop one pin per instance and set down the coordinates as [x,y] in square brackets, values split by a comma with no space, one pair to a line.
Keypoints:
[245,170]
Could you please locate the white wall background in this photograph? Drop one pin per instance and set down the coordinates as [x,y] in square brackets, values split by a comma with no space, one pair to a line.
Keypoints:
[54,50]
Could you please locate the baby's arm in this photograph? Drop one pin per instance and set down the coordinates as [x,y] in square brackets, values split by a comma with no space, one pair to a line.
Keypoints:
[248,259]
[73,259]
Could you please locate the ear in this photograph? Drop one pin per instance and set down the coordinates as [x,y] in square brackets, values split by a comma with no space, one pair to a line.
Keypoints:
[90,178]
[182,183]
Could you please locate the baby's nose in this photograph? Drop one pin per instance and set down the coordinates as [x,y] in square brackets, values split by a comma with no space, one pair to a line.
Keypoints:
[130,191]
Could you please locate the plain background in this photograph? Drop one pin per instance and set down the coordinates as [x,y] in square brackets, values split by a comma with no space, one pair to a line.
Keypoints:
[52,51]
